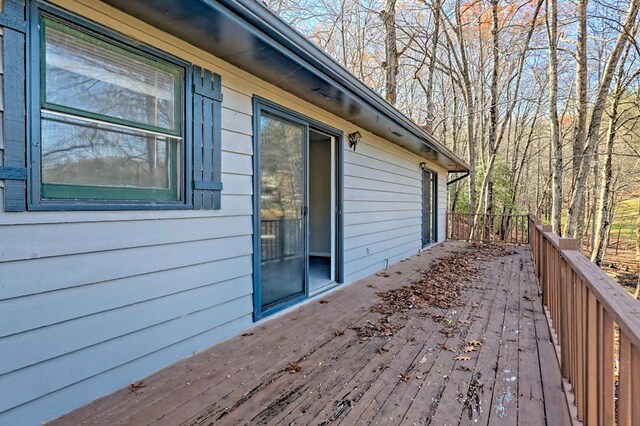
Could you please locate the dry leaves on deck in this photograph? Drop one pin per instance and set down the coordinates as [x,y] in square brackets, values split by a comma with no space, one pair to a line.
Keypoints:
[137,386]
[441,284]
[293,368]
[382,328]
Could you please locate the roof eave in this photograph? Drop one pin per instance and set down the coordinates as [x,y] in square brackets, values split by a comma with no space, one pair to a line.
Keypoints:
[270,36]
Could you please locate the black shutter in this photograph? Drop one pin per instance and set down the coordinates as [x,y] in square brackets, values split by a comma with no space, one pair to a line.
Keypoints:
[207,134]
[13,169]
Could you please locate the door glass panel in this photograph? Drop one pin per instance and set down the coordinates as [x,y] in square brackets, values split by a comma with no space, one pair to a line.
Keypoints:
[281,202]
[428,207]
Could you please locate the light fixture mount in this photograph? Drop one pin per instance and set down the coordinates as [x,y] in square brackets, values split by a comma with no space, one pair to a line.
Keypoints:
[354,139]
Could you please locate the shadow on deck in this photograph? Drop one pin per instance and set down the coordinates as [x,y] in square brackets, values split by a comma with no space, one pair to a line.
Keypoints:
[314,365]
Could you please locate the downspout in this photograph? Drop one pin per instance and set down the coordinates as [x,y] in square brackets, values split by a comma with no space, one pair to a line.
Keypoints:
[459,178]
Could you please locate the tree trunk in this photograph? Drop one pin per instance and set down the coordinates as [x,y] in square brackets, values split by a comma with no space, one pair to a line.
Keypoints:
[575,224]
[601,230]
[556,142]
[580,126]
[391,51]
[602,224]
[638,232]
[493,109]
[437,7]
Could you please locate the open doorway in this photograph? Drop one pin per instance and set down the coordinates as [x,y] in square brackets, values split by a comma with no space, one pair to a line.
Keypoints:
[321,211]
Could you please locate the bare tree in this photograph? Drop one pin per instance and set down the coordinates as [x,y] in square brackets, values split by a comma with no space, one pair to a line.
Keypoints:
[602,228]
[388,16]
[583,150]
[556,142]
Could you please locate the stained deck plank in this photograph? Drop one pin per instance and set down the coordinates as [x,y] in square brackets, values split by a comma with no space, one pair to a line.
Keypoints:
[347,380]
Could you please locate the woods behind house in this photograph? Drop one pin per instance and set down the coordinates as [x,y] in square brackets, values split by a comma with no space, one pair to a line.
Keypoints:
[540,97]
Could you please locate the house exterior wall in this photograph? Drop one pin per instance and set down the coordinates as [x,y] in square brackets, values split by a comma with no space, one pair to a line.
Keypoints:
[1,112]
[93,300]
[383,206]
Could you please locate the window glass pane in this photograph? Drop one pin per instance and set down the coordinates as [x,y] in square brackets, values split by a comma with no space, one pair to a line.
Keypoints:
[84,153]
[89,75]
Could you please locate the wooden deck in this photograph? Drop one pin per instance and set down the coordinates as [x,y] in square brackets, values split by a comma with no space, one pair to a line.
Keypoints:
[310,366]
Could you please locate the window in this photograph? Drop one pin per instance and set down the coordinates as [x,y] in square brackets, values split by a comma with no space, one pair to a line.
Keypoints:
[111,122]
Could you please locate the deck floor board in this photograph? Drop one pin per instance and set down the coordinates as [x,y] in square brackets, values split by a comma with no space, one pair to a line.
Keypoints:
[411,377]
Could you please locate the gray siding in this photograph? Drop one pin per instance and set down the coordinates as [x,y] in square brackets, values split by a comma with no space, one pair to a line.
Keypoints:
[383,206]
[91,301]
[1,114]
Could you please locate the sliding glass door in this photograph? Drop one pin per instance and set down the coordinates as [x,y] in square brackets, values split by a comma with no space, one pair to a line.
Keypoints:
[282,194]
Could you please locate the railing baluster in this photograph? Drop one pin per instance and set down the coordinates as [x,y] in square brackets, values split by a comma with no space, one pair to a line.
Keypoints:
[608,363]
[591,358]
[625,397]
[580,350]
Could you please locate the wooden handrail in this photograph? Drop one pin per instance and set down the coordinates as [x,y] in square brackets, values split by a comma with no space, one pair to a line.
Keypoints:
[508,228]
[597,325]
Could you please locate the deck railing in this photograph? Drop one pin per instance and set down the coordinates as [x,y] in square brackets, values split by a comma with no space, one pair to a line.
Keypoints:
[280,238]
[597,325]
[508,228]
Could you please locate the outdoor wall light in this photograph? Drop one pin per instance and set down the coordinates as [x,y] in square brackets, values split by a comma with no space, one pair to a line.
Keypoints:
[423,166]
[354,139]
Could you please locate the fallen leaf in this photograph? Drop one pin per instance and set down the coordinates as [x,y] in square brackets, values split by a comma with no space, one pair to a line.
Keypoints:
[475,305]
[447,348]
[247,334]
[293,368]
[464,321]
[324,302]
[474,342]
[339,333]
[468,349]
[448,334]
[135,387]
[398,273]
[404,377]
[462,358]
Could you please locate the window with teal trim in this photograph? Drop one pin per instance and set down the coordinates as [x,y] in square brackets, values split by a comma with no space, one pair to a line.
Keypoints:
[111,119]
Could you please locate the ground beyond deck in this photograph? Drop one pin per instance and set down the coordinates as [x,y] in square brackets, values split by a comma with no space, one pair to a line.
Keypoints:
[309,366]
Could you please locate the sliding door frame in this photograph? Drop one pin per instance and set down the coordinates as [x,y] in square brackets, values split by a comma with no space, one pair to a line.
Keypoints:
[434,206]
[261,105]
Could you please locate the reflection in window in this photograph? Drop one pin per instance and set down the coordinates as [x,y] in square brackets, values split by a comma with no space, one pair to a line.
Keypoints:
[111,120]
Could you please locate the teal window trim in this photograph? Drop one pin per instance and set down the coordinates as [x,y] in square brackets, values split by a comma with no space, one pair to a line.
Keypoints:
[80,197]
